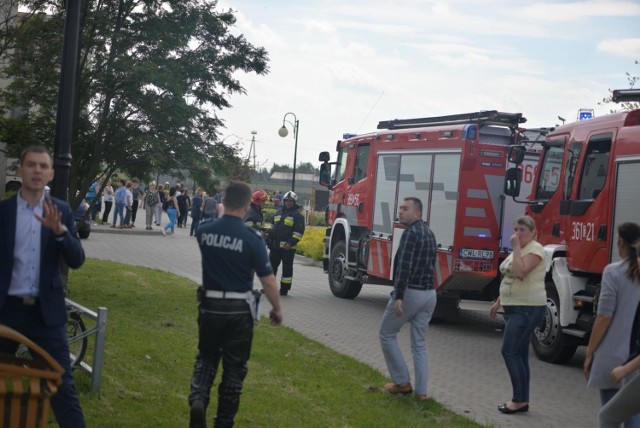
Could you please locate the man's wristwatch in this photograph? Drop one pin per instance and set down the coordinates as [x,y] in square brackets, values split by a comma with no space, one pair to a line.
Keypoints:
[64,231]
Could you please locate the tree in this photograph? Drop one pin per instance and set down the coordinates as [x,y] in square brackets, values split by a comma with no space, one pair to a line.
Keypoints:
[625,105]
[307,168]
[153,77]
[8,16]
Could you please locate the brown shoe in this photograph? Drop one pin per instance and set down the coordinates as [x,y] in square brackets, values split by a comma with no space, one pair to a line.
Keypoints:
[392,388]
[422,397]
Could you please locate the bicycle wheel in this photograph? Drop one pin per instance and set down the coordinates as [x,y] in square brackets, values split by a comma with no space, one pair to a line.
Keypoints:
[77,342]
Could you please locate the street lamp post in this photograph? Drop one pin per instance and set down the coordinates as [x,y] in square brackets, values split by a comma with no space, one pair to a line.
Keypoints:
[283,132]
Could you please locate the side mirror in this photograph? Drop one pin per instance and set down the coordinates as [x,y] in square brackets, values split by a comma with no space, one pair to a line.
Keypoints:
[325,174]
[512,181]
[516,154]
[324,157]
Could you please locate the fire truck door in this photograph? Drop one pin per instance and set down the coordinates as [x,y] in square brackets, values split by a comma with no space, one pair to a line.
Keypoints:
[384,209]
[586,214]
[626,196]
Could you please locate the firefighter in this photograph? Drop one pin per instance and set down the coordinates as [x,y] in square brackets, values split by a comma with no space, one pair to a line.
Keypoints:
[288,228]
[254,217]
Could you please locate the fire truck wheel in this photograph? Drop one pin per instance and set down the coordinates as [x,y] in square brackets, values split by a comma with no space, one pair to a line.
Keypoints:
[340,286]
[548,341]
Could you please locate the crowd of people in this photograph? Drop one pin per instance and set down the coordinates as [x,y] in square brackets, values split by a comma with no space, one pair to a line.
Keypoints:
[235,244]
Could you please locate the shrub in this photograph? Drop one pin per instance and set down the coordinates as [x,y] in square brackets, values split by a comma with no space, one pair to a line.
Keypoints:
[312,243]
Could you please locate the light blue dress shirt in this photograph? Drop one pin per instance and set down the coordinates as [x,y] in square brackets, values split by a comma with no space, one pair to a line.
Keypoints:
[25,276]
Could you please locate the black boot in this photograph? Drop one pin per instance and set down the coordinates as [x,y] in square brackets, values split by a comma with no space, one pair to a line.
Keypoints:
[203,374]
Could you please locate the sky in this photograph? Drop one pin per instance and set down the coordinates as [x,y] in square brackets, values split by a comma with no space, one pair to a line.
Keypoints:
[341,66]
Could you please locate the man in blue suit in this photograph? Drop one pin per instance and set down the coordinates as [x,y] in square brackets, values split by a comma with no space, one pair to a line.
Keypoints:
[37,232]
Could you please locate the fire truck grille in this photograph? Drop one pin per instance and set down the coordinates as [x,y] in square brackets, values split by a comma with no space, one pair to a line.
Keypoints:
[466,265]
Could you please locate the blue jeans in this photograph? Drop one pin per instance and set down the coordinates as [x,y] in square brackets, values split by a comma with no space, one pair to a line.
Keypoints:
[119,212]
[607,394]
[520,321]
[171,212]
[418,306]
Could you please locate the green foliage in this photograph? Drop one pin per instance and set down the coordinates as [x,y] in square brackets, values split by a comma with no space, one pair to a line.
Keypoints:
[150,350]
[153,78]
[312,243]
[267,215]
[632,80]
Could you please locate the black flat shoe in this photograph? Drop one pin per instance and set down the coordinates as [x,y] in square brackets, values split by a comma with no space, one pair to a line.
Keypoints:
[504,409]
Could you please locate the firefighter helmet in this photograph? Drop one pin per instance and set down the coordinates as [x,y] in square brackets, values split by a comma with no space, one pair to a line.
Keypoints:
[259,196]
[291,196]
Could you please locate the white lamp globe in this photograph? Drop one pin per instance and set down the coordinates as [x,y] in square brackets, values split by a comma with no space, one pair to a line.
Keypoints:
[283,132]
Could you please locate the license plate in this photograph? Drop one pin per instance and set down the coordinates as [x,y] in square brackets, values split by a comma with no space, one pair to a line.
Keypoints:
[469,253]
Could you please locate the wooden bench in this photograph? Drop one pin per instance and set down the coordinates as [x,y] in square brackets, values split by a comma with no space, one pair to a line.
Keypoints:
[26,384]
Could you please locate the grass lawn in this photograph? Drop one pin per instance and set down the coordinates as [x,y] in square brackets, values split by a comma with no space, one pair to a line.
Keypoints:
[292,381]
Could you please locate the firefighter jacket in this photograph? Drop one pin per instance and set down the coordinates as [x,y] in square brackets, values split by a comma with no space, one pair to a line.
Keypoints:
[288,226]
[254,217]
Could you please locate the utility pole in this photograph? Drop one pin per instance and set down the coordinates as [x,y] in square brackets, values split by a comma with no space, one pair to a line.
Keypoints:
[252,149]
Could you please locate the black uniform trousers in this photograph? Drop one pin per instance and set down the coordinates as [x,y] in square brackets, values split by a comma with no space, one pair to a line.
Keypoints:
[277,255]
[225,331]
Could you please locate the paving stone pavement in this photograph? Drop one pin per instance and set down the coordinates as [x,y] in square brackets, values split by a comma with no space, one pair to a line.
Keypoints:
[467,373]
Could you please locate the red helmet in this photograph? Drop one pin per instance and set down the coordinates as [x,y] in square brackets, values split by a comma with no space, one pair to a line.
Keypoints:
[259,196]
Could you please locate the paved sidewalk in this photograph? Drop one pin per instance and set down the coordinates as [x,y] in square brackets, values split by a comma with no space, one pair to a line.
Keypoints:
[467,373]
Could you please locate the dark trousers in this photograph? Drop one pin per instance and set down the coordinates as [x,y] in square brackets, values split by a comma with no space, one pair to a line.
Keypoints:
[28,321]
[195,220]
[107,210]
[134,211]
[182,218]
[225,332]
[95,209]
[278,255]
[127,216]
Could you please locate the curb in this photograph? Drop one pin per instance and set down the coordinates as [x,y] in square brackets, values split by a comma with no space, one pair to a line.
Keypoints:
[132,231]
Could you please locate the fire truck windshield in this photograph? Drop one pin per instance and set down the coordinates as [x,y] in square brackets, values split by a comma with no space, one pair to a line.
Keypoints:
[550,176]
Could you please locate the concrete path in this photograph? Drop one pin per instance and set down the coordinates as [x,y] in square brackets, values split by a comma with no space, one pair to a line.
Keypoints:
[467,373]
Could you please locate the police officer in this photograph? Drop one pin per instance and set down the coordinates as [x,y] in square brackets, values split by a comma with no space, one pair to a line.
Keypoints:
[288,228]
[231,253]
[254,217]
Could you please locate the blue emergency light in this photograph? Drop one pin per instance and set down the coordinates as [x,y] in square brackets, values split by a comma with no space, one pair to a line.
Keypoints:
[584,114]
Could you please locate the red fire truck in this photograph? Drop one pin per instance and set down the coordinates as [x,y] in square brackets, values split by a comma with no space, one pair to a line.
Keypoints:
[586,185]
[456,165]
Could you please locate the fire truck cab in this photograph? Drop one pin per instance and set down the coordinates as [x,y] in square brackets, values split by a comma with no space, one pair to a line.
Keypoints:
[456,166]
[585,186]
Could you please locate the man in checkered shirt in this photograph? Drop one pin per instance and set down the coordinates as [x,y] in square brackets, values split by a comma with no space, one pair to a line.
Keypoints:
[413,300]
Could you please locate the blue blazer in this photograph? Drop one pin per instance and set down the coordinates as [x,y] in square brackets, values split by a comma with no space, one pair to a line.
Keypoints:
[52,252]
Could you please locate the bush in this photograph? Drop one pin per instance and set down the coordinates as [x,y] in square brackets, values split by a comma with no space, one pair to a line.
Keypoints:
[312,243]
[267,215]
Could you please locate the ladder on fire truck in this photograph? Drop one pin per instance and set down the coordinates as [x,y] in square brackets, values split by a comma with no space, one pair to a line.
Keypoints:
[488,117]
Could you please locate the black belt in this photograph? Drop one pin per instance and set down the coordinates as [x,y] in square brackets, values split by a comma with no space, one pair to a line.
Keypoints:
[23,300]
[417,287]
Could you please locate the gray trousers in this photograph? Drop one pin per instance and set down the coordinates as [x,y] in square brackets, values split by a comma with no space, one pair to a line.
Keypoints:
[622,406]
[418,307]
[149,212]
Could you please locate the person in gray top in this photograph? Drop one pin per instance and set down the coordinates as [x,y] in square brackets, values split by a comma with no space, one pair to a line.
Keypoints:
[619,297]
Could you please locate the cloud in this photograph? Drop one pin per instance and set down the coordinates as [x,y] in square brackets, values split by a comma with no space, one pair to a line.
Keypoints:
[579,11]
[628,48]
[319,26]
